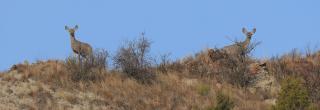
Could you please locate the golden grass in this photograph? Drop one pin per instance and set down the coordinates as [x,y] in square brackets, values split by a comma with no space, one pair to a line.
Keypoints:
[174,90]
[169,91]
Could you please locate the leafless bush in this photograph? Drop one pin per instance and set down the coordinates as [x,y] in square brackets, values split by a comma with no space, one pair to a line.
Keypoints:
[217,63]
[234,68]
[163,66]
[87,69]
[133,60]
[175,66]
[198,66]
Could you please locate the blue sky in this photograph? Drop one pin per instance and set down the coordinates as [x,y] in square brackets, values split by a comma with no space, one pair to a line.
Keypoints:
[34,29]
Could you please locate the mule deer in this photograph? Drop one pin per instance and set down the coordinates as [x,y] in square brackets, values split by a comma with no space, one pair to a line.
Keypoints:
[80,48]
[240,47]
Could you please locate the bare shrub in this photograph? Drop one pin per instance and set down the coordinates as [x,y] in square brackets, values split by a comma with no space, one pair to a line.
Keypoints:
[217,63]
[175,66]
[235,72]
[197,66]
[133,59]
[164,64]
[232,68]
[89,69]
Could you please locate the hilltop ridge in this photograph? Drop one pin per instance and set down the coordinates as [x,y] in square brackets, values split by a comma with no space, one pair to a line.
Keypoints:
[47,85]
[135,82]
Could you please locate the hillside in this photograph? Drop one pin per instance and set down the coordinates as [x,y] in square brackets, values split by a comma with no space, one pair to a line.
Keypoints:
[191,83]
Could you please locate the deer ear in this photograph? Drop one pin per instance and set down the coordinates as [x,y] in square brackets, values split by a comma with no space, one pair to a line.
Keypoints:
[244,30]
[254,30]
[66,27]
[76,27]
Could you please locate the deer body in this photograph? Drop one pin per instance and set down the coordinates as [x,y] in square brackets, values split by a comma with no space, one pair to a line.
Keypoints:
[239,47]
[80,48]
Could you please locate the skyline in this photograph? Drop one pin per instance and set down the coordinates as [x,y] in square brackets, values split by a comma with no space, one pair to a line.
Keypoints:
[34,30]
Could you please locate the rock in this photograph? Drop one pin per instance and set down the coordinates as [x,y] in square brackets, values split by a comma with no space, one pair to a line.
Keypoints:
[189,82]
[219,85]
[18,76]
[270,101]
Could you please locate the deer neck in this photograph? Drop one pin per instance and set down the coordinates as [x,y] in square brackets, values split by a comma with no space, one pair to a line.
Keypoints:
[246,42]
[73,38]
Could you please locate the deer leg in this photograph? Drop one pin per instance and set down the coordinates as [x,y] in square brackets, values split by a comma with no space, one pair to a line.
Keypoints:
[79,59]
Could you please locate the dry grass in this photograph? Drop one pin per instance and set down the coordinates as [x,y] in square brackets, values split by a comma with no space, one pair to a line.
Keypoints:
[190,83]
[306,66]
[170,91]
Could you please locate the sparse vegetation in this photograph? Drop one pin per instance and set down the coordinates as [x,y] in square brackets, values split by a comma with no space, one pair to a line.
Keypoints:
[163,66]
[197,82]
[293,95]
[90,69]
[203,89]
[133,59]
[301,65]
[223,102]
[218,64]
[313,107]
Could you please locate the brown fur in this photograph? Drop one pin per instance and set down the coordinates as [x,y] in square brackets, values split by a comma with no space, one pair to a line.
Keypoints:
[239,47]
[80,48]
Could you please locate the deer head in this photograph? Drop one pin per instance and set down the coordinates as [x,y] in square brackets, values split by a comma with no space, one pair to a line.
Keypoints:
[71,30]
[248,34]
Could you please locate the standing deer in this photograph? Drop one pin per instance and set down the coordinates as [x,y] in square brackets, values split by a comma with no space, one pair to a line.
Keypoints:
[80,48]
[239,47]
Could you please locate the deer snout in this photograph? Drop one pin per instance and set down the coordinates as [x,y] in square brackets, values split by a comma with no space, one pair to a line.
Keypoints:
[249,34]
